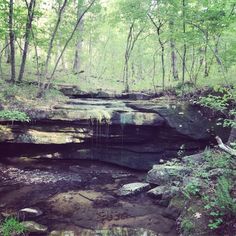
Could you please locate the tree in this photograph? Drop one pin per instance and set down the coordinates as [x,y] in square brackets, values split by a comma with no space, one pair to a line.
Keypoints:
[12,41]
[30,7]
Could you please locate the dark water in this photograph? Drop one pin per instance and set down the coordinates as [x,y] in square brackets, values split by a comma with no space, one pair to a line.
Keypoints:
[78,195]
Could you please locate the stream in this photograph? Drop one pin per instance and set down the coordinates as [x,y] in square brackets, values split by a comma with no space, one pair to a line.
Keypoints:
[72,159]
[79,196]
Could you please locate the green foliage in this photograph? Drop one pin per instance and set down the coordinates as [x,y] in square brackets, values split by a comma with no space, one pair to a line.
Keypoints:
[14,116]
[223,197]
[11,226]
[192,188]
[220,205]
[187,226]
[214,102]
[217,159]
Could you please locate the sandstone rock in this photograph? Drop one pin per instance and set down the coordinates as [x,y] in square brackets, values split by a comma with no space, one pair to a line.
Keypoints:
[194,159]
[133,188]
[34,227]
[163,174]
[118,231]
[163,192]
[62,233]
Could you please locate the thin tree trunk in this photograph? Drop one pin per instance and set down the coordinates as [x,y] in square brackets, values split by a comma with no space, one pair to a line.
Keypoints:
[154,72]
[7,51]
[77,59]
[31,8]
[185,46]
[36,52]
[67,43]
[162,45]
[173,54]
[12,41]
[127,53]
[162,63]
[60,13]
[131,40]
[205,55]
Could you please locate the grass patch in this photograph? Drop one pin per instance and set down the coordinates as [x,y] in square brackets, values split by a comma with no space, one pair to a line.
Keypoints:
[11,226]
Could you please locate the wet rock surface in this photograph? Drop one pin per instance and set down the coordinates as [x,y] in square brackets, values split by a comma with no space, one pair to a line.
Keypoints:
[88,205]
[132,133]
[133,188]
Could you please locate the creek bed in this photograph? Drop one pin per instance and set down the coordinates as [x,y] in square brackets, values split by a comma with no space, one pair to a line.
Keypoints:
[78,195]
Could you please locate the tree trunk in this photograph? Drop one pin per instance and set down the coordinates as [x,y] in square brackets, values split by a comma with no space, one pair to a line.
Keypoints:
[206,70]
[60,13]
[66,45]
[27,37]
[173,54]
[12,41]
[77,59]
[7,51]
[185,46]
[163,63]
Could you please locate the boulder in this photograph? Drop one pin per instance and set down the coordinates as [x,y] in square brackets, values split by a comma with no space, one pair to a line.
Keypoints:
[185,118]
[163,192]
[133,188]
[163,174]
[195,159]
[33,227]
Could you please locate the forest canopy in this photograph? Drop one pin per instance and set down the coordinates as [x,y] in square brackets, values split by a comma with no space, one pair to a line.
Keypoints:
[129,45]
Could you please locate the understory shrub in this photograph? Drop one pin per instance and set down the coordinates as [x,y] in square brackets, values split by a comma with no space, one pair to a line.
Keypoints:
[14,116]
[11,226]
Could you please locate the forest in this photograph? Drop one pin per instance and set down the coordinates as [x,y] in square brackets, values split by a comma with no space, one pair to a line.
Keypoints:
[118,117]
[132,45]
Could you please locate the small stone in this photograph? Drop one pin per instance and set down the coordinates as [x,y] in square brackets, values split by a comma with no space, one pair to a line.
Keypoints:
[33,227]
[133,188]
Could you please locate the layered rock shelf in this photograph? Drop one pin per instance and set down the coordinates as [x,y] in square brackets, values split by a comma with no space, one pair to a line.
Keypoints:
[132,133]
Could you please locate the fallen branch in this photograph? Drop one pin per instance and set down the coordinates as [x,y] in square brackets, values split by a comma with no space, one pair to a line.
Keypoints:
[224,147]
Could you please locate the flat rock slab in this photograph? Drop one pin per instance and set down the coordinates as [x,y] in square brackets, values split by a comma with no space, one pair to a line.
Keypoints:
[133,188]
[62,233]
[34,227]
[163,192]
[163,174]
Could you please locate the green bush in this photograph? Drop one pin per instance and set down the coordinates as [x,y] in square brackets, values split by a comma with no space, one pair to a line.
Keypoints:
[220,205]
[14,116]
[217,160]
[187,226]
[192,189]
[11,226]
[223,198]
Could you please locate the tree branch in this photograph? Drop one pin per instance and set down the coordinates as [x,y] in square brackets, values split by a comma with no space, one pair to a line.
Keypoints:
[224,147]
